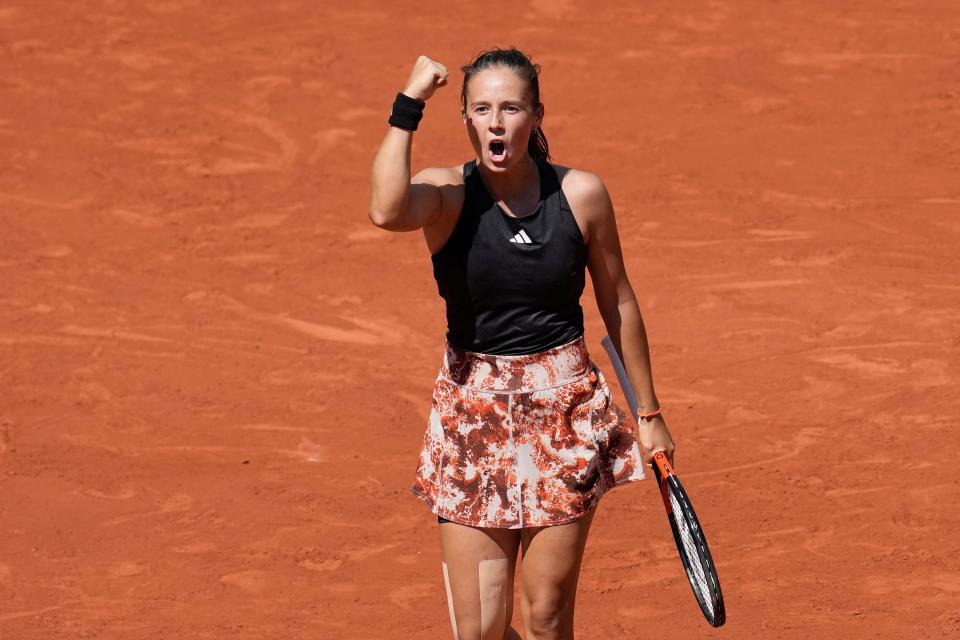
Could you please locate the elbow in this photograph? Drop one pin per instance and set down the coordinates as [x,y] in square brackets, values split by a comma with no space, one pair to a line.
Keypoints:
[387,223]
[385,217]
[386,212]
[377,218]
[382,220]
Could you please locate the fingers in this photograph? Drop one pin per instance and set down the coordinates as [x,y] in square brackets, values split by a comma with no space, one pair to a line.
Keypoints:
[670,452]
[425,59]
[442,69]
[427,76]
[440,73]
[654,436]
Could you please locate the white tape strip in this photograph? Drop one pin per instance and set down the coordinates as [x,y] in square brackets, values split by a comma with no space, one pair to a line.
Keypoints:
[453,617]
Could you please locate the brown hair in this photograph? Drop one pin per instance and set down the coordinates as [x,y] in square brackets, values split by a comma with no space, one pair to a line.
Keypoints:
[519,63]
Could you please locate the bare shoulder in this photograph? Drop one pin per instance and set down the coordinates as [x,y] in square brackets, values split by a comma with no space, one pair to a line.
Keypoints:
[585,187]
[588,198]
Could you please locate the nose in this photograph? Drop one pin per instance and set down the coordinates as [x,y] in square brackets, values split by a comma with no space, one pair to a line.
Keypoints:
[495,120]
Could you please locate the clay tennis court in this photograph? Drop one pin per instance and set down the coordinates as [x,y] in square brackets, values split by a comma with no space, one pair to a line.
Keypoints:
[215,372]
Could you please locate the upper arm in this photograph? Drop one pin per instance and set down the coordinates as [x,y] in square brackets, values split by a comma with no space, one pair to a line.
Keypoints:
[427,199]
[588,196]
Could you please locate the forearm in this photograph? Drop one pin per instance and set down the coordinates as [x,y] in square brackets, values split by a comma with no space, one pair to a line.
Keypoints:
[626,329]
[390,176]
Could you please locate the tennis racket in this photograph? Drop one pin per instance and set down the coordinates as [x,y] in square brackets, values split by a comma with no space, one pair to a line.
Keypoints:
[687,533]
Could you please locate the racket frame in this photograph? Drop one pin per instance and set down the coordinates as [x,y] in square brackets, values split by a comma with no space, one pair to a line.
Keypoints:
[667,481]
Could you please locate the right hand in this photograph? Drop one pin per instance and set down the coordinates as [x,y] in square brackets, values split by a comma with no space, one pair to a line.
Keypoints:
[655,436]
[427,76]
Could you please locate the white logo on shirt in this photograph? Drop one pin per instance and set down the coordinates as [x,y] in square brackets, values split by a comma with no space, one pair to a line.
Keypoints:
[521,238]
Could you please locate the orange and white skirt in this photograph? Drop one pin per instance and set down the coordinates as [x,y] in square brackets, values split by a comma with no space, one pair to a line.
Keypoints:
[523,441]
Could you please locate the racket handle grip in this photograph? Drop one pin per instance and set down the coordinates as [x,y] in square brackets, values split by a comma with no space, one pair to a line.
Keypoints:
[661,465]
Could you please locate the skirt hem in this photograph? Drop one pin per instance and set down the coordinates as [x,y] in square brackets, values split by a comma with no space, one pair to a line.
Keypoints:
[418,492]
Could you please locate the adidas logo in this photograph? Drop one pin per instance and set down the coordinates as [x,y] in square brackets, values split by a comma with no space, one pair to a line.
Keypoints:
[521,238]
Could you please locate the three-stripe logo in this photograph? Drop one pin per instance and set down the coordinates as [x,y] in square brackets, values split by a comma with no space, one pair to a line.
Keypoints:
[521,238]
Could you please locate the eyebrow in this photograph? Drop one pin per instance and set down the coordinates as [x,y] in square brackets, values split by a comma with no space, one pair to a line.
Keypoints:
[486,102]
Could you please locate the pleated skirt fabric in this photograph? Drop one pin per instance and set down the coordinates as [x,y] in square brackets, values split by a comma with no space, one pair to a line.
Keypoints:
[523,441]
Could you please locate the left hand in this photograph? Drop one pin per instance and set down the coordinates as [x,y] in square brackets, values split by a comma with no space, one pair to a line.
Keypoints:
[654,436]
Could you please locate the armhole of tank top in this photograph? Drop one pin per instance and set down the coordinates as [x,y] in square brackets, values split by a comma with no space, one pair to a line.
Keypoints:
[561,171]
[568,220]
[465,172]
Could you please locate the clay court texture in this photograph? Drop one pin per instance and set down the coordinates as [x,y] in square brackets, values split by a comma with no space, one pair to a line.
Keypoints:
[215,372]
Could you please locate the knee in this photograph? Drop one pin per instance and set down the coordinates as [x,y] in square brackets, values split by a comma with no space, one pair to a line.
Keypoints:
[548,618]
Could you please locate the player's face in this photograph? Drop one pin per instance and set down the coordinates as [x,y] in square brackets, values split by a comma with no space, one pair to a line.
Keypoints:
[500,117]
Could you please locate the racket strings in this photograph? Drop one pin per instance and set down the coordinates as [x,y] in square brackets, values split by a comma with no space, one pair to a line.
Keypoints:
[694,560]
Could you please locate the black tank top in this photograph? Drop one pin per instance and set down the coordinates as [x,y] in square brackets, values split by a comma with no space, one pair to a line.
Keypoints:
[512,286]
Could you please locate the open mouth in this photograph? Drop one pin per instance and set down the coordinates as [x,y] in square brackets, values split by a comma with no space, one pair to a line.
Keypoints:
[497,150]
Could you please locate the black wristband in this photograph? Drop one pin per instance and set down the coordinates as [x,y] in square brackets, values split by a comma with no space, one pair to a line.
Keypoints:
[407,112]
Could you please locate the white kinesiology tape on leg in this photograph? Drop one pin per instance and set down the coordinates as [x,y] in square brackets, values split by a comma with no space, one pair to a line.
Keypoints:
[494,579]
[453,617]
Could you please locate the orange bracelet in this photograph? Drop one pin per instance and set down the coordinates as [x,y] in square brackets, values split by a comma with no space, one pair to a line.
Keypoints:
[649,416]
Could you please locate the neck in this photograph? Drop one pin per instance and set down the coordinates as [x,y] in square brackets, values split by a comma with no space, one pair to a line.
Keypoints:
[512,183]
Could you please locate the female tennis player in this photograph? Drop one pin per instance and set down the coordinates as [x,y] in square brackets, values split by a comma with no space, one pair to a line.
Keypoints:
[523,437]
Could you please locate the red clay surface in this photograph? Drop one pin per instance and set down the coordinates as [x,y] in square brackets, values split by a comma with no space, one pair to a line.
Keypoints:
[216,372]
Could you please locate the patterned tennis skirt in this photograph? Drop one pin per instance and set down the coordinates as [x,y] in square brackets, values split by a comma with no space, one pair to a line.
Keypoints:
[523,441]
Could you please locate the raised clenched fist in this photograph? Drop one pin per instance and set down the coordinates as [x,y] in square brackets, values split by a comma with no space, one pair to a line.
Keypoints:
[427,76]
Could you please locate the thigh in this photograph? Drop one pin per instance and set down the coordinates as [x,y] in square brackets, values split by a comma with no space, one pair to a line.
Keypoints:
[479,566]
[551,568]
